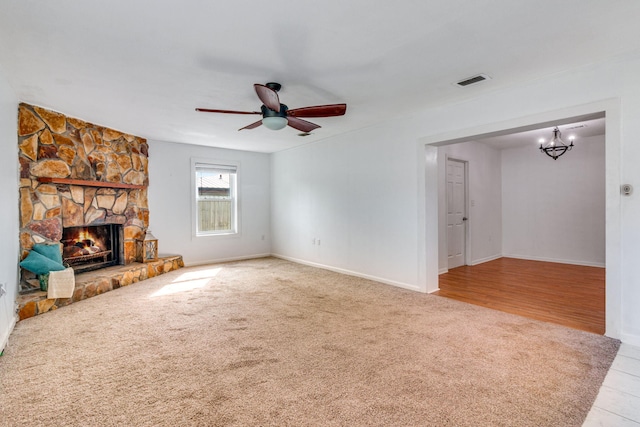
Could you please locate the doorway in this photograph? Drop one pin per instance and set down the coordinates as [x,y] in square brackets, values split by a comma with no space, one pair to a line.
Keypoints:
[612,228]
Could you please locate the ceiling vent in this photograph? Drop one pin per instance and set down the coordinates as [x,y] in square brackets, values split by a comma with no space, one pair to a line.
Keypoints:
[473,80]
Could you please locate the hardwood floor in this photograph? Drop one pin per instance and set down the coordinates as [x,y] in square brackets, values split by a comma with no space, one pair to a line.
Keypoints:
[566,294]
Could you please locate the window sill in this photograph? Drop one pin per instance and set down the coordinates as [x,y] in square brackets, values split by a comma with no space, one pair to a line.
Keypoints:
[229,235]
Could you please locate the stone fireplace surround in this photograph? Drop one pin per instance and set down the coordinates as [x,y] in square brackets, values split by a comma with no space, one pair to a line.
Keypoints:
[74,173]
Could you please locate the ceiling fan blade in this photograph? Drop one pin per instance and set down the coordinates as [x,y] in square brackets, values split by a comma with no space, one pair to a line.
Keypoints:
[207,110]
[301,125]
[252,125]
[268,96]
[319,111]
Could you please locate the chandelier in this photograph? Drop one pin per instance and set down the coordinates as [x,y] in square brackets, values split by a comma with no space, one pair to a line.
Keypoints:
[556,147]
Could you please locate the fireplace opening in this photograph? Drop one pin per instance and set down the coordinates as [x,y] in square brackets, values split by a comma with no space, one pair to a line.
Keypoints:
[91,247]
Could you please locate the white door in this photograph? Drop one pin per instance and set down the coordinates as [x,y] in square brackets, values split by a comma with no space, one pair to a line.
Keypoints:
[456,215]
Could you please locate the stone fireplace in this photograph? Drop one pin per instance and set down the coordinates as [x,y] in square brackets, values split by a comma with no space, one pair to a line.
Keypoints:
[75,175]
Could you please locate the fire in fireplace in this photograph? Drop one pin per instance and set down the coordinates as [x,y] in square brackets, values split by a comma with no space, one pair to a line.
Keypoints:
[91,247]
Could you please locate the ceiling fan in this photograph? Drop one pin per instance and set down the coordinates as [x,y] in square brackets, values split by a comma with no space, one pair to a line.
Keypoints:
[276,116]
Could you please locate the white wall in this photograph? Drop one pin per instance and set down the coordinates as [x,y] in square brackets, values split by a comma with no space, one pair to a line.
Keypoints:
[357,195]
[170,206]
[484,197]
[334,189]
[555,210]
[9,220]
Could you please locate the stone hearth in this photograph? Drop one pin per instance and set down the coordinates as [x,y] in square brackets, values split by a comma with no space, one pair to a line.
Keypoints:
[97,282]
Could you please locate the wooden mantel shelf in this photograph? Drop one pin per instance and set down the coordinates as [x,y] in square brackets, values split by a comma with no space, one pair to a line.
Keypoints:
[87,183]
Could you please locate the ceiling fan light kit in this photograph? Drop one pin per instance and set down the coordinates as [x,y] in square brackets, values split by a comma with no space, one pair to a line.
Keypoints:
[275,123]
[276,116]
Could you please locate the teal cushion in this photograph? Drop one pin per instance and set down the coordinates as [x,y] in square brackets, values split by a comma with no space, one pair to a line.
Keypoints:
[50,251]
[40,264]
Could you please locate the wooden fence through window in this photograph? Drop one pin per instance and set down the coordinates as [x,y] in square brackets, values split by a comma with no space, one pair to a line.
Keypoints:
[214,215]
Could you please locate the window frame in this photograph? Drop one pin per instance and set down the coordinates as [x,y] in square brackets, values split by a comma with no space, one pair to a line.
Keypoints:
[219,165]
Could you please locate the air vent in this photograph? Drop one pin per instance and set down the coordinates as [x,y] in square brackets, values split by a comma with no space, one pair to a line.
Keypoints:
[577,127]
[473,80]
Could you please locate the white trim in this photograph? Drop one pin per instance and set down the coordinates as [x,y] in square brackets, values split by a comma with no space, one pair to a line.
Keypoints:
[630,339]
[312,264]
[4,341]
[231,165]
[427,194]
[221,260]
[530,258]
[428,263]
[486,259]
[556,260]
[350,273]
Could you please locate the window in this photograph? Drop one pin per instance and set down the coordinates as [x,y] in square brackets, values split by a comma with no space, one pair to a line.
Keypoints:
[215,198]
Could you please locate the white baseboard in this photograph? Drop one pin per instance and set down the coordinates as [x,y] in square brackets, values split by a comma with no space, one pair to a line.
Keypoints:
[559,261]
[220,260]
[486,259]
[528,258]
[630,339]
[475,262]
[4,339]
[350,273]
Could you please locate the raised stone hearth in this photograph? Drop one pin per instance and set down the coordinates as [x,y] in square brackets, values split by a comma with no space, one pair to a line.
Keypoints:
[97,282]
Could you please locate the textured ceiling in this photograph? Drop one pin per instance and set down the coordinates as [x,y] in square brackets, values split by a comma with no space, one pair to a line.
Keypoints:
[143,66]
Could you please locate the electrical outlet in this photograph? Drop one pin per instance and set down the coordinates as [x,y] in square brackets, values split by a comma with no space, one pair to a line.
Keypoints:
[263,237]
[313,241]
[318,242]
[3,290]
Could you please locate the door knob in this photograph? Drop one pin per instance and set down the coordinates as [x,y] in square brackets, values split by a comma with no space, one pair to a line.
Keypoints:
[464,218]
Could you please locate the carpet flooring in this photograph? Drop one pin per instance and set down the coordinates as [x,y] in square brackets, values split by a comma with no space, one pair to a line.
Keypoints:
[273,343]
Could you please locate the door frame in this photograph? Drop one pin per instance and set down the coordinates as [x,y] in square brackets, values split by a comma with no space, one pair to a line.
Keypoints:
[427,160]
[467,235]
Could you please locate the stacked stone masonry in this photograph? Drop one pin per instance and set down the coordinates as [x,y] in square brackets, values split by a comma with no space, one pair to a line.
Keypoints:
[52,145]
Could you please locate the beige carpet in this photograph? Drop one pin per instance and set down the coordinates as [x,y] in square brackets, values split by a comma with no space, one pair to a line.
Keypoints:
[269,342]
